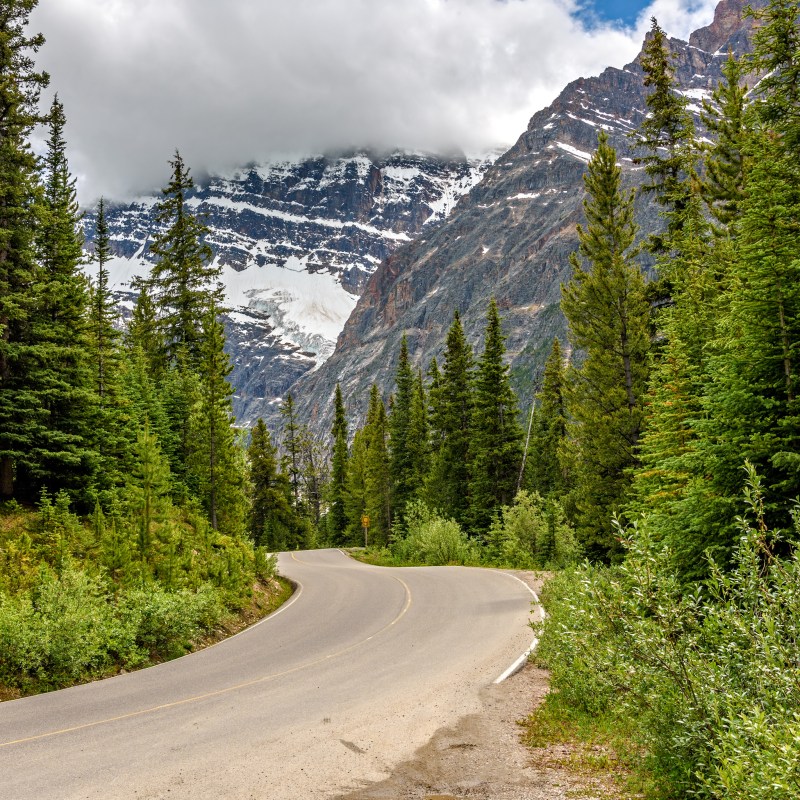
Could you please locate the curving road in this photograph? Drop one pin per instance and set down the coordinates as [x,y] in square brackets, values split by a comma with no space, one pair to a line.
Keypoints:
[347,679]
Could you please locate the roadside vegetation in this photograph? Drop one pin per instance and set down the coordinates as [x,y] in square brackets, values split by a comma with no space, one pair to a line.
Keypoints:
[77,603]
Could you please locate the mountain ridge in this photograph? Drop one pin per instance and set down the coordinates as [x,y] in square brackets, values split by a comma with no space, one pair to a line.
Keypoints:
[510,237]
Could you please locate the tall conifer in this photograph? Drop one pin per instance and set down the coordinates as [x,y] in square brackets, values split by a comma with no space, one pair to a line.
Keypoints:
[20,84]
[495,436]
[608,316]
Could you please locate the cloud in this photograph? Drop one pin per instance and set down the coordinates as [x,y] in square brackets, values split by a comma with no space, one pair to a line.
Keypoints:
[246,80]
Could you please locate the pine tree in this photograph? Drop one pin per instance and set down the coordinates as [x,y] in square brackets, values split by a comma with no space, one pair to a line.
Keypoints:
[549,429]
[608,317]
[184,281]
[215,457]
[419,447]
[377,498]
[270,520]
[667,133]
[292,459]
[142,331]
[150,491]
[451,421]
[20,84]
[724,117]
[103,312]
[355,500]
[337,515]
[776,56]
[495,436]
[401,469]
[63,455]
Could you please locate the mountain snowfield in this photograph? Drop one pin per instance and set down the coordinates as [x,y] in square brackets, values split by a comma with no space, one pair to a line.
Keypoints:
[297,241]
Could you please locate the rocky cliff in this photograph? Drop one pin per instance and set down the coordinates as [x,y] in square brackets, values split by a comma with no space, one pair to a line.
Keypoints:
[297,241]
[511,236]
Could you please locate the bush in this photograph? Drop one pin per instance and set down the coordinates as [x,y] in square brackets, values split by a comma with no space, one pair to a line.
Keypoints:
[707,674]
[532,534]
[432,539]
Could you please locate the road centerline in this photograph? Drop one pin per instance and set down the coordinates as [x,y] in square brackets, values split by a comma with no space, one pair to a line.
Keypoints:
[226,690]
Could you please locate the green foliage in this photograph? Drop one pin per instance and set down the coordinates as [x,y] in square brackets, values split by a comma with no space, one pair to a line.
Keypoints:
[608,315]
[451,401]
[706,675]
[495,446]
[667,133]
[533,533]
[433,539]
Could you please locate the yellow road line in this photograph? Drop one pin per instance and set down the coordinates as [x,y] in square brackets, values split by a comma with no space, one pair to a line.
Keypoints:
[228,689]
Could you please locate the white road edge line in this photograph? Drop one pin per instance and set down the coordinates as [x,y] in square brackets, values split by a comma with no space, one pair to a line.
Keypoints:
[520,662]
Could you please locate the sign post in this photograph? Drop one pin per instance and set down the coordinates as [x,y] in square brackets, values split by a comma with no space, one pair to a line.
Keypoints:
[365,526]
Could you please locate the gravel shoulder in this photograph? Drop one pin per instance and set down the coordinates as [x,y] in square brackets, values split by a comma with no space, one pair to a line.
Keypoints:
[482,756]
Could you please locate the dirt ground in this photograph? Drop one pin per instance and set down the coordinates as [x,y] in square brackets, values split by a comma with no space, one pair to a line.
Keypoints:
[482,757]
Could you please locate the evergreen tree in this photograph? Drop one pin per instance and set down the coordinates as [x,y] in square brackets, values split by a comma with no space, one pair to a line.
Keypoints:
[495,437]
[20,84]
[103,313]
[292,457]
[150,491]
[337,515]
[216,458]
[667,133]
[549,429]
[60,368]
[418,439]
[451,421]
[142,331]
[111,435]
[776,56]
[608,316]
[270,520]
[401,468]
[724,117]
[185,282]
[377,498]
[355,500]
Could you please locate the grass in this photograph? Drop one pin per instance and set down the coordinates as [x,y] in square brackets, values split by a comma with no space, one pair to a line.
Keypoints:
[600,748]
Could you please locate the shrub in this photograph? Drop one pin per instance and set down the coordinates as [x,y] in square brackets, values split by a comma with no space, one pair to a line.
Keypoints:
[432,539]
[708,674]
[533,533]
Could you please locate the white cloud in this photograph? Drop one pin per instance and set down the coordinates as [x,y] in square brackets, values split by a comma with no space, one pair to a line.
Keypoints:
[241,80]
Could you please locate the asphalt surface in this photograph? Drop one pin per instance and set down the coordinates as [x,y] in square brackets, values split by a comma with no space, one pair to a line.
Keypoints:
[358,669]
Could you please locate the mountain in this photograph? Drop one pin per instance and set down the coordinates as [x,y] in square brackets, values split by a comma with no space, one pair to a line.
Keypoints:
[298,242]
[511,236]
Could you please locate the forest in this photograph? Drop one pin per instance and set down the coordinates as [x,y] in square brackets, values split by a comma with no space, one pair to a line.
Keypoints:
[657,474]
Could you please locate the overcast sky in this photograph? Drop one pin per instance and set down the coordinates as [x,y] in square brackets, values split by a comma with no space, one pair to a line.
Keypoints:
[233,81]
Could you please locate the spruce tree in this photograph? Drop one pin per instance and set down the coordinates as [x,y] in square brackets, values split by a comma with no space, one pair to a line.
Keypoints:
[776,56]
[377,497]
[495,436]
[724,117]
[270,519]
[549,429]
[292,456]
[183,279]
[337,515]
[112,438]
[20,84]
[451,421]
[401,468]
[667,133]
[63,455]
[608,316]
[215,456]
[355,500]
[419,447]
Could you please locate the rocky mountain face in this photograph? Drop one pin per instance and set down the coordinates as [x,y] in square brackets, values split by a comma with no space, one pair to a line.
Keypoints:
[298,242]
[511,236]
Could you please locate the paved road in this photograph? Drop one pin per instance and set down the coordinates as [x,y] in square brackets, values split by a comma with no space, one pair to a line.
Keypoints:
[348,678]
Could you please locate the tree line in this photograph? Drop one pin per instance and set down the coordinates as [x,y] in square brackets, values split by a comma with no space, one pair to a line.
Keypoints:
[681,422]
